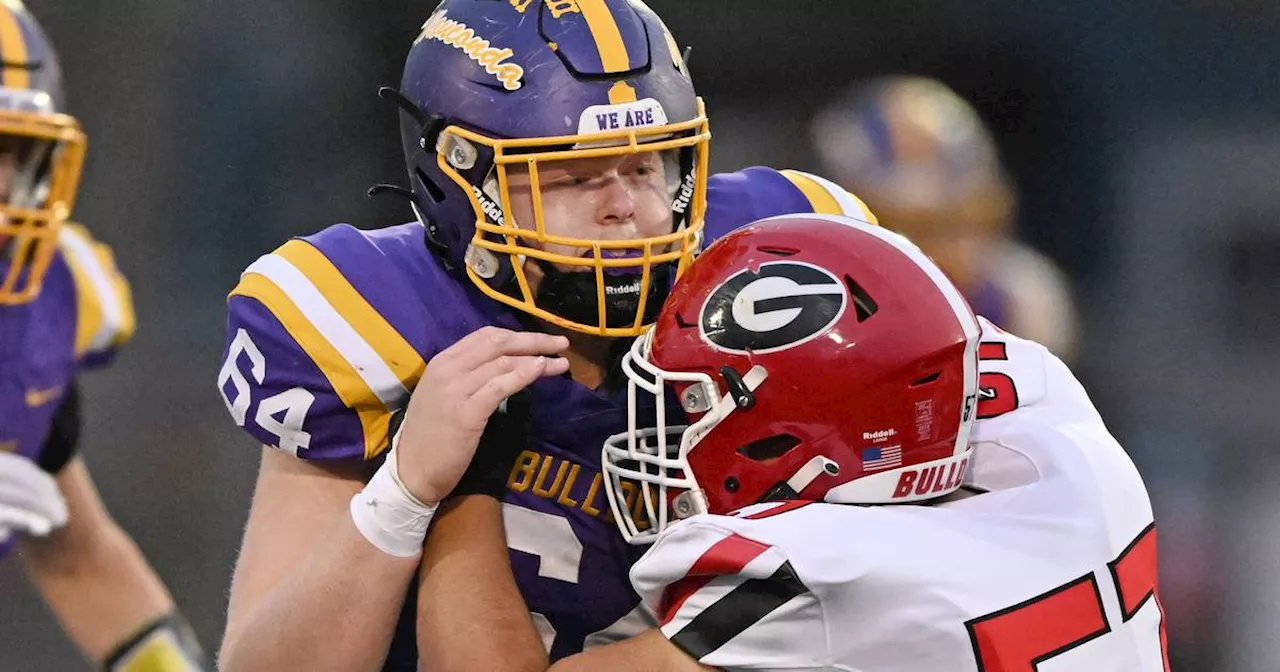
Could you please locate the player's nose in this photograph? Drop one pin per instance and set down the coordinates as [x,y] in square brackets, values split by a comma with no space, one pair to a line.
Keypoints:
[617,205]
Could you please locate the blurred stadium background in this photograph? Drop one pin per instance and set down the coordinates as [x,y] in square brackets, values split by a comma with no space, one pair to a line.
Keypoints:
[1144,139]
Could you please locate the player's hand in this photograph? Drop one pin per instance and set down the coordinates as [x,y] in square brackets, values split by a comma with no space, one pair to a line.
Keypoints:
[30,502]
[459,390]
[505,435]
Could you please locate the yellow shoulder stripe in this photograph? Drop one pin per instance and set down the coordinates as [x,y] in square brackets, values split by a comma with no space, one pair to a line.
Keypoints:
[822,202]
[828,198]
[399,355]
[104,304]
[866,211]
[346,382]
[368,363]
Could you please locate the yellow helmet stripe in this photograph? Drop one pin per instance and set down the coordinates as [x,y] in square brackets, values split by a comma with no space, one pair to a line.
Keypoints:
[613,51]
[13,50]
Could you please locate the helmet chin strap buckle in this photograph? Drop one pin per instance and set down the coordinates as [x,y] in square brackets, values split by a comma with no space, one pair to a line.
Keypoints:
[689,503]
[482,261]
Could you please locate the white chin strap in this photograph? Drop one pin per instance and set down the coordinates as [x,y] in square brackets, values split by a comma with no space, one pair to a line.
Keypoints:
[811,470]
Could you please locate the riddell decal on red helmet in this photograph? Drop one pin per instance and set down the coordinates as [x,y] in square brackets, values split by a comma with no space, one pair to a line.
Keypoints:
[936,479]
[879,435]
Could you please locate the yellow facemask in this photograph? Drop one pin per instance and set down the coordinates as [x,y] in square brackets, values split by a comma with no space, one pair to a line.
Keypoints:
[42,195]
[497,233]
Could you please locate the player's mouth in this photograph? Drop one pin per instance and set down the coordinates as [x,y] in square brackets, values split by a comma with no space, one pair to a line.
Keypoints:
[630,269]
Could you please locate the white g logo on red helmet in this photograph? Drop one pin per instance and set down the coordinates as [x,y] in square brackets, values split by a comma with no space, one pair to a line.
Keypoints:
[782,305]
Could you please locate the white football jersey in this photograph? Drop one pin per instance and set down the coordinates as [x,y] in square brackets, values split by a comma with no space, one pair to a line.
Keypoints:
[1051,569]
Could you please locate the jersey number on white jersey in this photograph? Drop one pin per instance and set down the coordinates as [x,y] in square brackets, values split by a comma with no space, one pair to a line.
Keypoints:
[1017,638]
[997,394]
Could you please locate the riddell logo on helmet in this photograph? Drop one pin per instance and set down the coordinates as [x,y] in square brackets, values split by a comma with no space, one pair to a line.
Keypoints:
[623,290]
[490,208]
[879,435]
[458,35]
[686,194]
[921,482]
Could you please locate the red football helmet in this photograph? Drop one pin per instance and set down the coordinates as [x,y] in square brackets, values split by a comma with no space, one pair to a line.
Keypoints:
[816,357]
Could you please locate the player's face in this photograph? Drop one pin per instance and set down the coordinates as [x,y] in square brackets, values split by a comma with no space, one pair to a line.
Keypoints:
[9,149]
[607,198]
[8,168]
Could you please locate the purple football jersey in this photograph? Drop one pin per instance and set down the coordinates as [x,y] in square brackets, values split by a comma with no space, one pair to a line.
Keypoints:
[329,333]
[81,316]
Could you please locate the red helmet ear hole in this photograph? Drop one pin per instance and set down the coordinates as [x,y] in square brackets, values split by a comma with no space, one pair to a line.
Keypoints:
[769,449]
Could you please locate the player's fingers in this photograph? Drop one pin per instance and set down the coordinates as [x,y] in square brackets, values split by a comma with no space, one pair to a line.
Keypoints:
[490,343]
[491,392]
[555,366]
[469,382]
[522,365]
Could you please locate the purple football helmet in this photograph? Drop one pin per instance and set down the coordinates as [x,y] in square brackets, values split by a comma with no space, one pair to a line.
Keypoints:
[499,88]
[46,149]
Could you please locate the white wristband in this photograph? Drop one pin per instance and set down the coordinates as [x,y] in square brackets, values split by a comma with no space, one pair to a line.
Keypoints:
[388,515]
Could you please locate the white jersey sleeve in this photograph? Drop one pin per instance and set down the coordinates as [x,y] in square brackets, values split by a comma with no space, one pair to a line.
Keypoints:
[1051,568]
[730,601]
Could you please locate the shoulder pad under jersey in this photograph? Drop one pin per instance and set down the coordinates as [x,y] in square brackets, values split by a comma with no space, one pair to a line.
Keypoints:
[104,305]
[739,198]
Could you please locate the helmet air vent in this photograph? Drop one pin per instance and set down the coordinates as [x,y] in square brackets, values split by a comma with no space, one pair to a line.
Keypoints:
[862,301]
[769,449]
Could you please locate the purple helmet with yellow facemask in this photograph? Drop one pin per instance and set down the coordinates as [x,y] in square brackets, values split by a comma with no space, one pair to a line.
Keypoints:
[499,88]
[41,155]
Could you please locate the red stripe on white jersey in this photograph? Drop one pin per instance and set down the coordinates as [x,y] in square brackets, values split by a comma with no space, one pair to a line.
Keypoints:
[784,507]
[726,558]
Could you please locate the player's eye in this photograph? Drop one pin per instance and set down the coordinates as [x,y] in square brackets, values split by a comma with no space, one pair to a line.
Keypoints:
[643,167]
[565,180]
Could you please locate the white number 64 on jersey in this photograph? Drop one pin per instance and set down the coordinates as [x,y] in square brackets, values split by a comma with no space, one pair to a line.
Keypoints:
[293,403]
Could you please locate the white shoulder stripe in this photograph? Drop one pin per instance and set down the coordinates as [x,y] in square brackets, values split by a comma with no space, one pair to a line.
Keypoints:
[84,257]
[333,327]
[848,203]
